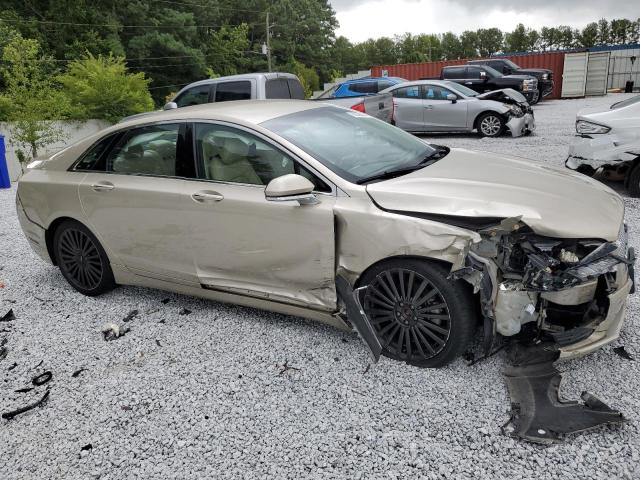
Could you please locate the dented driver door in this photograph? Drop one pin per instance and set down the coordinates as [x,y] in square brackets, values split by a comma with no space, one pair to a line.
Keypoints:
[244,244]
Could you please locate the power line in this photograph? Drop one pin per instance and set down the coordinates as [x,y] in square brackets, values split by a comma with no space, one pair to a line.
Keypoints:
[167,86]
[113,25]
[217,7]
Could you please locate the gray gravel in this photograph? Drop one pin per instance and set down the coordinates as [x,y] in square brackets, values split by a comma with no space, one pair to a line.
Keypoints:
[205,394]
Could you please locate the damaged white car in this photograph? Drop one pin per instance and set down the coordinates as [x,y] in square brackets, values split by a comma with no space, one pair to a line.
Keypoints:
[608,143]
[329,214]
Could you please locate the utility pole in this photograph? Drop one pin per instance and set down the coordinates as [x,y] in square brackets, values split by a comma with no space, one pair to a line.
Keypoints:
[268,42]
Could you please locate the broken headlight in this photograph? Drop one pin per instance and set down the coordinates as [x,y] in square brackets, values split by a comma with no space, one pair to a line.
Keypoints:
[515,110]
[584,127]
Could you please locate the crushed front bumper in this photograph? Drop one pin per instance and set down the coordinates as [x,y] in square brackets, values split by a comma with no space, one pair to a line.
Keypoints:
[601,150]
[524,125]
[609,329]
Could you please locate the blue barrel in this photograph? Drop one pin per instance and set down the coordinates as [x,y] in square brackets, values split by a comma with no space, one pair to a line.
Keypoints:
[5,181]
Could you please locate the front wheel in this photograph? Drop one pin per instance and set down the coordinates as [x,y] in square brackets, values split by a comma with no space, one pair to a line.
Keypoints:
[419,316]
[81,259]
[633,181]
[537,96]
[490,125]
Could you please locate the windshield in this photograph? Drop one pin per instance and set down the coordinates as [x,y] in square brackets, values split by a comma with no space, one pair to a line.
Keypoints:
[467,92]
[625,103]
[354,145]
[512,65]
[492,72]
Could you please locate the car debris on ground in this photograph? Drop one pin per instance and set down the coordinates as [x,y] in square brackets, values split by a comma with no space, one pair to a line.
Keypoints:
[9,316]
[538,414]
[13,413]
[622,352]
[111,331]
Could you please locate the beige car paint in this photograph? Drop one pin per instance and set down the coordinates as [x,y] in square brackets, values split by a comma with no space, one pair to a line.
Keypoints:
[250,266]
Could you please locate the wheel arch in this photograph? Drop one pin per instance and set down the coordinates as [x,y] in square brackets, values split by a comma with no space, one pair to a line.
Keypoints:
[396,258]
[484,112]
[50,232]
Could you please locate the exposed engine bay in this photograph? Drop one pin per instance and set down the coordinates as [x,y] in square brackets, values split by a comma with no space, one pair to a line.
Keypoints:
[539,286]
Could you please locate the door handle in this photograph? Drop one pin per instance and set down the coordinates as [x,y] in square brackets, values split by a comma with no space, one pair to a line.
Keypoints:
[207,196]
[102,186]
[428,107]
[468,83]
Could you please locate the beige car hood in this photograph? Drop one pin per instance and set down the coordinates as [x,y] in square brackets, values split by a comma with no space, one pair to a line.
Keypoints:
[553,202]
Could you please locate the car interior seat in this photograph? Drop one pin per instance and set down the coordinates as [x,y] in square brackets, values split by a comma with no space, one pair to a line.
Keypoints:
[227,160]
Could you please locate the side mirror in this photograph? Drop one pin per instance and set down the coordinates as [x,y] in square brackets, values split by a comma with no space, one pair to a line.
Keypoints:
[483,75]
[170,106]
[452,98]
[291,187]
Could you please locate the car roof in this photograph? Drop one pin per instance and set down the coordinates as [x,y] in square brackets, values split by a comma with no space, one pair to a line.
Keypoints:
[239,111]
[442,83]
[239,77]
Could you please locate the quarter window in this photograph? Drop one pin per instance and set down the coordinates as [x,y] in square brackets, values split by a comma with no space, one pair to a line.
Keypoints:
[297,92]
[235,156]
[227,91]
[148,150]
[194,96]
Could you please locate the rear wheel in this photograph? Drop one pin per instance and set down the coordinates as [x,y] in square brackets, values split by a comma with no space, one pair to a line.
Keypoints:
[490,125]
[419,316]
[81,259]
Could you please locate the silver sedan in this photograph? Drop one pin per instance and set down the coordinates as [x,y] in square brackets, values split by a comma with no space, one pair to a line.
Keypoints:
[443,106]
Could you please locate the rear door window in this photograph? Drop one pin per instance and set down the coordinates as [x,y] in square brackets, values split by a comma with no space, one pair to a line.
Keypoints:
[296,90]
[407,92]
[228,91]
[455,72]
[150,150]
[91,160]
[194,96]
[277,88]
[364,87]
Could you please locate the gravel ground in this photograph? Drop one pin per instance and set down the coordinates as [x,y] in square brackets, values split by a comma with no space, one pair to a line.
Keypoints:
[207,395]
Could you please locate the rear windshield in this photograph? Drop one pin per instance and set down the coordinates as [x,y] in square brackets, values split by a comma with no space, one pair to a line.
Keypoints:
[352,144]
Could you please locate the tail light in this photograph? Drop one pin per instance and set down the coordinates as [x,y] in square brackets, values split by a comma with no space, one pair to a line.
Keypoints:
[393,112]
[359,107]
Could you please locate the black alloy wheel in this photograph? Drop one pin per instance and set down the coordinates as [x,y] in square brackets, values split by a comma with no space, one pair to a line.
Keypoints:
[82,260]
[419,316]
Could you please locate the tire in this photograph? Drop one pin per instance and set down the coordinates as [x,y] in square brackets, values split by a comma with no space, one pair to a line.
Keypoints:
[633,181]
[537,96]
[81,259]
[419,316]
[490,125]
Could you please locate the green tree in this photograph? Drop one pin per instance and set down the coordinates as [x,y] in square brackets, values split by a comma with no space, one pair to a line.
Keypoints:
[103,88]
[549,38]
[517,40]
[565,37]
[588,37]
[451,46]
[226,50]
[35,101]
[469,44]
[604,32]
[489,41]
[621,30]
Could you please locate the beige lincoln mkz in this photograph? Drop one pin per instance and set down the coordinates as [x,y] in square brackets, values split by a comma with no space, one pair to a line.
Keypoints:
[326,213]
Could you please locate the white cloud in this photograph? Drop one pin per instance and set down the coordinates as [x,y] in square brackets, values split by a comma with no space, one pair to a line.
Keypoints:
[362,19]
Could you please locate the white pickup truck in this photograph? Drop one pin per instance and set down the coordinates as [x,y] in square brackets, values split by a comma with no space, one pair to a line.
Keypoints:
[268,86]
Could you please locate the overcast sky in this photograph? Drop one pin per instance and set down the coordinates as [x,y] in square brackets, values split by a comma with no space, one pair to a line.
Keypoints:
[362,19]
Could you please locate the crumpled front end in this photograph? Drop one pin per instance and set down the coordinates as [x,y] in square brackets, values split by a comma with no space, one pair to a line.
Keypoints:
[587,154]
[522,124]
[570,291]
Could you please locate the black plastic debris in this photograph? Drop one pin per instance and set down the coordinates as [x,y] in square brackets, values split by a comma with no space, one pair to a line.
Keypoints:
[131,315]
[3,349]
[87,447]
[185,311]
[622,352]
[78,372]
[41,379]
[12,366]
[13,413]
[158,343]
[165,300]
[24,390]
[537,412]
[9,316]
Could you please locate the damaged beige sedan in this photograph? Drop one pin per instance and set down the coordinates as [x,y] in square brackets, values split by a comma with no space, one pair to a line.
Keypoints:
[329,214]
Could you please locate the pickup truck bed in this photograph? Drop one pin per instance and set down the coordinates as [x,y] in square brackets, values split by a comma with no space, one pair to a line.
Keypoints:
[379,106]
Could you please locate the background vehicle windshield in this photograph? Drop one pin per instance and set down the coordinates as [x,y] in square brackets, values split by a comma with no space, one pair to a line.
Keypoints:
[467,92]
[491,72]
[512,65]
[352,144]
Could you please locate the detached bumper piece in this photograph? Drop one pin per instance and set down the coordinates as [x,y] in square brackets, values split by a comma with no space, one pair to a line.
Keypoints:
[538,414]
